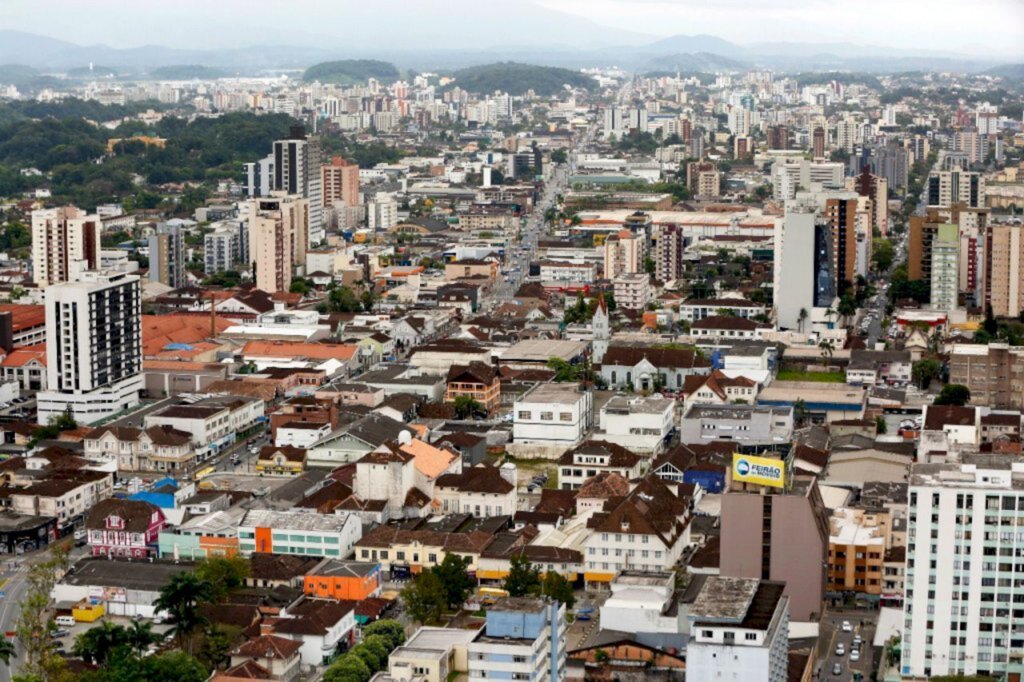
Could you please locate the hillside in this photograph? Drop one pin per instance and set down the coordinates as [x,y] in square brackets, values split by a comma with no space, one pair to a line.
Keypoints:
[350,71]
[515,78]
[1008,71]
[183,72]
[699,61]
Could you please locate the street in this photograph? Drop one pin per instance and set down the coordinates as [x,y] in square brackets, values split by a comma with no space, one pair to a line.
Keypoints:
[832,636]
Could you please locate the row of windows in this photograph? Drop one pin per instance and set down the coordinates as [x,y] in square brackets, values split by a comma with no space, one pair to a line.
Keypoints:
[546,416]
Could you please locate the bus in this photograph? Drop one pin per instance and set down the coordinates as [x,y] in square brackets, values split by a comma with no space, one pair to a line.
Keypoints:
[490,595]
[203,473]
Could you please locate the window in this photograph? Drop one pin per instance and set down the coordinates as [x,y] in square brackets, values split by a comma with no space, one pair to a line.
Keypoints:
[547,416]
[750,636]
[524,414]
[565,416]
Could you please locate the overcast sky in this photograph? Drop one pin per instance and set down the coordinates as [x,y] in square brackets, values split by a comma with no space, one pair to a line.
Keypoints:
[992,28]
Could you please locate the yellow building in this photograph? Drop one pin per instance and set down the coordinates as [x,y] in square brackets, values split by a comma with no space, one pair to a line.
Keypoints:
[281,460]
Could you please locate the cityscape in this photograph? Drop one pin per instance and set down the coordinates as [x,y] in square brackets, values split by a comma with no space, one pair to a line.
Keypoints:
[447,342]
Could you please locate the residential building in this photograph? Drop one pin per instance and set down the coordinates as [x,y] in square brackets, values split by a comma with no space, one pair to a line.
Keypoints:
[948,187]
[805,278]
[294,532]
[642,423]
[871,367]
[567,272]
[278,657]
[1004,269]
[214,421]
[167,256]
[278,239]
[668,246]
[856,551]
[960,613]
[789,175]
[158,448]
[778,534]
[340,182]
[945,268]
[482,491]
[339,579]
[646,530]
[718,388]
[745,424]
[695,309]
[739,630]
[124,528]
[993,373]
[64,496]
[632,291]
[222,248]
[523,638]
[477,381]
[403,475]
[260,177]
[65,242]
[624,253]
[593,457]
[556,414]
[297,164]
[432,655]
[93,347]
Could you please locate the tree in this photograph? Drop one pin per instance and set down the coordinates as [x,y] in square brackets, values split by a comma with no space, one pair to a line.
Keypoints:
[95,645]
[378,644]
[800,412]
[452,574]
[827,348]
[7,651]
[348,668]
[801,318]
[223,574]
[924,371]
[565,371]
[554,585]
[559,156]
[391,630]
[33,625]
[466,406]
[425,598]
[139,635]
[299,286]
[650,266]
[216,645]
[370,658]
[847,308]
[523,578]
[882,254]
[953,394]
[880,426]
[343,300]
[180,598]
[991,327]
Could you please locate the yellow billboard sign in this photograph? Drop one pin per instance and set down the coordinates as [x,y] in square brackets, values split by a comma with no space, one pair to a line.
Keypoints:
[759,470]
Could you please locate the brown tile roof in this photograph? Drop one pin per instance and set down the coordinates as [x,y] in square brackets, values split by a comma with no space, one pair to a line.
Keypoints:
[951,415]
[263,566]
[467,543]
[474,372]
[247,670]
[313,616]
[618,456]
[675,358]
[269,646]
[136,514]
[604,485]
[557,501]
[649,509]
[727,322]
[478,479]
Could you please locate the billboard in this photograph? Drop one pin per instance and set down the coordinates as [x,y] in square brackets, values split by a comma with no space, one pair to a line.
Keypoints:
[759,470]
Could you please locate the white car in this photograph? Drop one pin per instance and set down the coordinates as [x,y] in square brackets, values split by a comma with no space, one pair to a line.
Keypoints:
[854,655]
[840,649]
[846,626]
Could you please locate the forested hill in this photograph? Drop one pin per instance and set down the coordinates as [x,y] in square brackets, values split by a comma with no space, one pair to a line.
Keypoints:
[515,78]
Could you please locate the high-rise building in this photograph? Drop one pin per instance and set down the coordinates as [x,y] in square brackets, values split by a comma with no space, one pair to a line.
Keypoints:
[789,175]
[972,143]
[1004,270]
[624,252]
[65,242]
[818,142]
[722,610]
[945,268]
[668,246]
[382,213]
[340,182]
[919,147]
[278,239]
[93,347]
[962,609]
[709,183]
[260,177]
[986,119]
[778,137]
[888,161]
[222,249]
[167,256]
[297,163]
[804,266]
[524,638]
[946,188]
[840,213]
[847,134]
[778,534]
[876,189]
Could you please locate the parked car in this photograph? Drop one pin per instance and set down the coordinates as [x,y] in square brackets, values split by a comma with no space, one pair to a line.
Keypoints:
[847,627]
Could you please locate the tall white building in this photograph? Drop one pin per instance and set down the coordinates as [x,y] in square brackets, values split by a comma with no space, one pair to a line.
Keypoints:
[93,347]
[382,213]
[739,630]
[964,573]
[789,176]
[804,268]
[260,177]
[949,187]
[297,163]
[65,242]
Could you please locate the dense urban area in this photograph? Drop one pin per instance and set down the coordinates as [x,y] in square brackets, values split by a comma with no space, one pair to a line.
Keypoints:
[511,372]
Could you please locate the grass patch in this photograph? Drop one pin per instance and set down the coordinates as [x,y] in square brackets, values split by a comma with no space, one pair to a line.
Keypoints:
[821,377]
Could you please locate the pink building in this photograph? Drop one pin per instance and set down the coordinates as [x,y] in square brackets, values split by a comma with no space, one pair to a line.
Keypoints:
[124,528]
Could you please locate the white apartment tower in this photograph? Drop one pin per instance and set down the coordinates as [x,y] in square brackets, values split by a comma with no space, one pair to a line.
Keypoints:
[963,609]
[297,163]
[65,242]
[93,347]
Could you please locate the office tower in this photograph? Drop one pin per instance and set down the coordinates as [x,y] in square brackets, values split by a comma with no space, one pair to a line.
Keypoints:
[524,638]
[167,256]
[726,607]
[93,347]
[805,264]
[340,182]
[946,188]
[278,239]
[780,534]
[1004,269]
[259,177]
[65,242]
[945,268]
[818,142]
[790,174]
[778,137]
[222,250]
[297,163]
[919,147]
[962,607]
[668,246]
[624,253]
[986,119]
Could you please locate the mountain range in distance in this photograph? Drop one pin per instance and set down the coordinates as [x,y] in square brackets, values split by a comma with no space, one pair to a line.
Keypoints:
[697,53]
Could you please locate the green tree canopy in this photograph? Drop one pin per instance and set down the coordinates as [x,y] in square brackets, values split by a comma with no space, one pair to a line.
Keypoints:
[425,598]
[523,577]
[457,583]
[953,394]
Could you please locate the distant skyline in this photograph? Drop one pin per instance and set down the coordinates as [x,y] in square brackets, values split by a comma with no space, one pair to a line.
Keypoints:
[992,29]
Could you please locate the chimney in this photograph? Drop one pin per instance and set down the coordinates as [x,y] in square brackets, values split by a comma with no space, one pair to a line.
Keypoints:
[404,438]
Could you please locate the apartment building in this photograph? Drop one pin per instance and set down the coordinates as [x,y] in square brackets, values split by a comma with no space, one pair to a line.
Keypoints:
[213,421]
[222,248]
[65,242]
[296,532]
[93,347]
[593,457]
[167,256]
[278,239]
[296,172]
[856,552]
[993,373]
[624,253]
[1004,269]
[524,638]
[739,630]
[948,187]
[961,612]
[340,182]
[632,290]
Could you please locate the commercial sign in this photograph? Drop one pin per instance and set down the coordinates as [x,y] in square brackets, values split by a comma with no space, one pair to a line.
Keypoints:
[759,470]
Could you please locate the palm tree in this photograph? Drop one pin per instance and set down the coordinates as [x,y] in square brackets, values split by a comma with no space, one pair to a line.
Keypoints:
[140,635]
[827,349]
[830,313]
[801,318]
[7,651]
[96,644]
[180,599]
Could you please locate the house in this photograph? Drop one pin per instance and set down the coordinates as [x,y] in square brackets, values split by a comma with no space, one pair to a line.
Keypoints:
[594,457]
[870,367]
[718,388]
[27,366]
[597,490]
[157,448]
[726,329]
[704,465]
[338,579]
[403,474]
[284,459]
[275,657]
[355,440]
[65,495]
[645,369]
[646,530]
[279,570]
[552,414]
[481,491]
[696,309]
[124,528]
[477,381]
[472,447]
[948,430]
[325,627]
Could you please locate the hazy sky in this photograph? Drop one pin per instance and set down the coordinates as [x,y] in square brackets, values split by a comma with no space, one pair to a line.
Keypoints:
[983,27]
